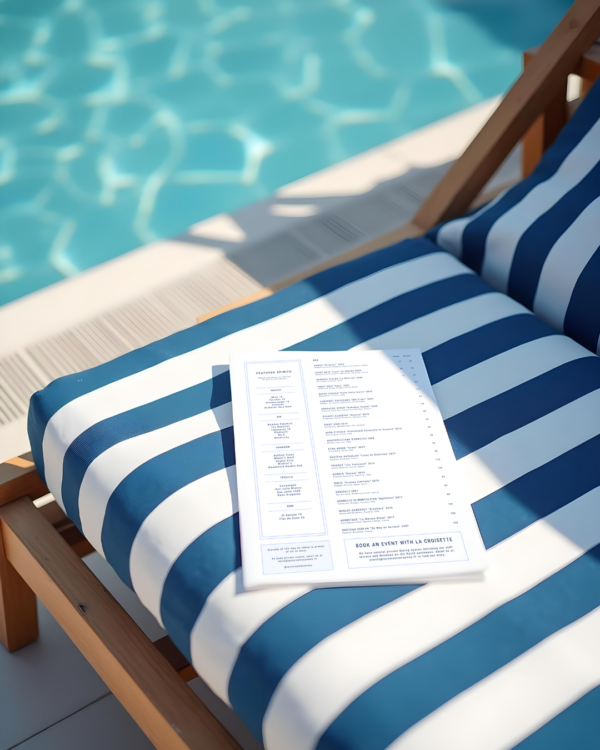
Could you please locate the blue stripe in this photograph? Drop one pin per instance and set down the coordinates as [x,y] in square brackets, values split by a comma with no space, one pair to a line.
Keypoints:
[209,394]
[442,361]
[575,728]
[476,232]
[46,403]
[432,234]
[476,346]
[464,349]
[582,320]
[194,575]
[279,643]
[398,701]
[202,567]
[160,413]
[396,312]
[538,240]
[539,493]
[482,424]
[151,483]
[287,636]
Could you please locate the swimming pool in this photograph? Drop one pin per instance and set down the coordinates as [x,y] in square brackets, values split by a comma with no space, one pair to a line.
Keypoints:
[124,122]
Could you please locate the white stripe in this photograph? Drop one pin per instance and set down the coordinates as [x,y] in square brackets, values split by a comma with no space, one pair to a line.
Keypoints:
[186,370]
[450,235]
[228,619]
[441,325]
[504,371]
[319,686]
[219,635]
[519,452]
[565,262]
[173,526]
[514,702]
[506,232]
[106,472]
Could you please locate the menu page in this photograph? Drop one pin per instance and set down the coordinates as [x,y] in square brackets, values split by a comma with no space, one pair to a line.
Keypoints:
[345,471]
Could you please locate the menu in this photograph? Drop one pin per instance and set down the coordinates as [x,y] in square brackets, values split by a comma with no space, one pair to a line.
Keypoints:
[345,472]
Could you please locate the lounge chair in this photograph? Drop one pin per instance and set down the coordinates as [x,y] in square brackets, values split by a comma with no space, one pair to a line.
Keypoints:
[139,454]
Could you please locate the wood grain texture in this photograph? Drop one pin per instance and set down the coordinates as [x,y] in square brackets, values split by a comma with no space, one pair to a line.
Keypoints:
[18,603]
[18,477]
[18,607]
[546,127]
[175,658]
[35,558]
[544,131]
[589,66]
[54,514]
[167,711]
[531,94]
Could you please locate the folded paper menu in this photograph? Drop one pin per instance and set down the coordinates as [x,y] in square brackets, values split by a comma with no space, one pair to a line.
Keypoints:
[345,472]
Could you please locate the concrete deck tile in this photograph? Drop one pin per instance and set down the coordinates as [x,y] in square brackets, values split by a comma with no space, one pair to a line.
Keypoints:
[43,683]
[101,725]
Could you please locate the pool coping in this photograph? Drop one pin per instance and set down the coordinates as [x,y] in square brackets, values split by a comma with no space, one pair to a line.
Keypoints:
[161,287]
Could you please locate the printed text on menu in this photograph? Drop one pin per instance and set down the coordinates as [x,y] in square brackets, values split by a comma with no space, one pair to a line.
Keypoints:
[345,471]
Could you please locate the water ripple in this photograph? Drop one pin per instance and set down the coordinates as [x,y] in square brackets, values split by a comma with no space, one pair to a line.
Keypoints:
[122,121]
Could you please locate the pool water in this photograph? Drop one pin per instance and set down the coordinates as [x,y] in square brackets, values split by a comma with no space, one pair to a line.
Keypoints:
[125,121]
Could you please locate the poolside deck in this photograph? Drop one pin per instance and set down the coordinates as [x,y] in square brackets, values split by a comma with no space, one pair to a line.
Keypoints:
[158,289]
[48,694]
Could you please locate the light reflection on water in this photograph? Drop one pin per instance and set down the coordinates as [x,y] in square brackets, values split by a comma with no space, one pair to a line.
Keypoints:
[126,121]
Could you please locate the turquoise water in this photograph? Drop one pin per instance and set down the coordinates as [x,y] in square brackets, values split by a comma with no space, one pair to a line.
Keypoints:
[124,122]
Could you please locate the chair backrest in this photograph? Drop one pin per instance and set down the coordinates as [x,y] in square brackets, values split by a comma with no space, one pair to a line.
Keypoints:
[540,241]
[540,83]
[544,131]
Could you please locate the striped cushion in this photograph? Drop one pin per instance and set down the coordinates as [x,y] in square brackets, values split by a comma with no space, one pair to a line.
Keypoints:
[540,240]
[139,452]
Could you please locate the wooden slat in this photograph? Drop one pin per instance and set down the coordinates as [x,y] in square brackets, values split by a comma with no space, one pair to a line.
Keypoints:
[175,658]
[75,539]
[19,477]
[589,65]
[530,95]
[53,513]
[18,607]
[544,131]
[586,85]
[139,676]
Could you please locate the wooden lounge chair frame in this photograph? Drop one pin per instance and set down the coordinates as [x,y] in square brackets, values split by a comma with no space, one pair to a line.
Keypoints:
[40,549]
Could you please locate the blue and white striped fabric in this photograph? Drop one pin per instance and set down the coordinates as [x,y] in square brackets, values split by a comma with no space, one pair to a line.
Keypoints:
[140,453]
[540,241]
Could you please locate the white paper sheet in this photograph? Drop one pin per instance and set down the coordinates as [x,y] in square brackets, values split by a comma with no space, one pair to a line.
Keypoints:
[345,471]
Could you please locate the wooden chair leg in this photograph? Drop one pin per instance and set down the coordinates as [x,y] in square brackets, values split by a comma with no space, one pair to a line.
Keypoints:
[18,607]
[140,677]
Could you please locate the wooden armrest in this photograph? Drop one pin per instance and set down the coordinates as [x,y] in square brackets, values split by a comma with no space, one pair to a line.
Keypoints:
[18,477]
[131,665]
[541,80]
